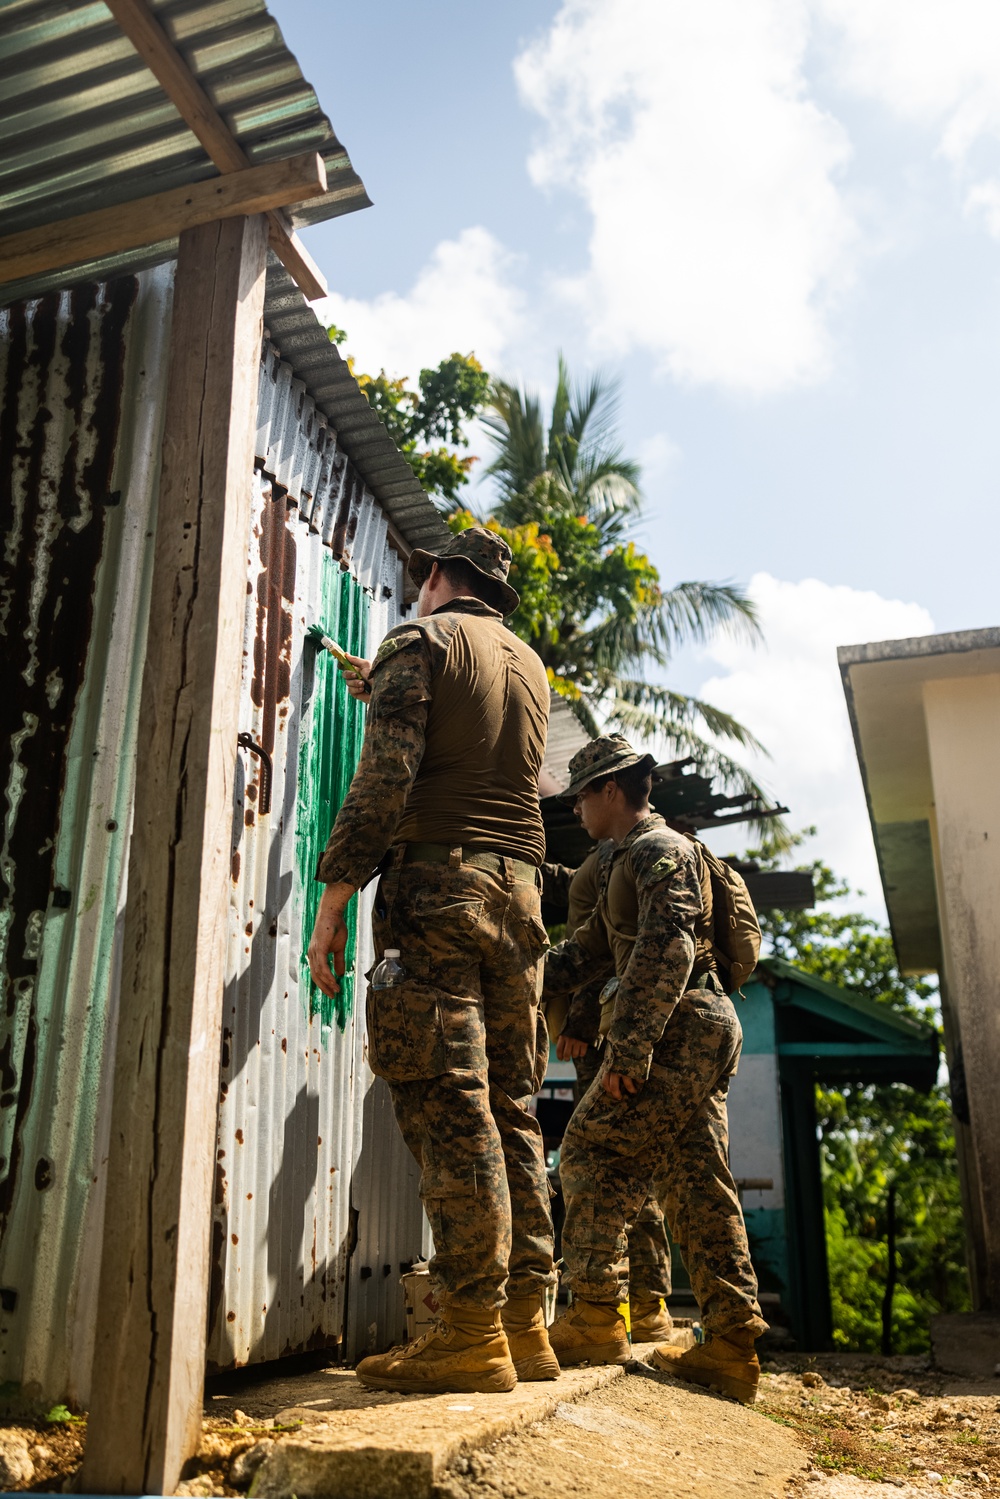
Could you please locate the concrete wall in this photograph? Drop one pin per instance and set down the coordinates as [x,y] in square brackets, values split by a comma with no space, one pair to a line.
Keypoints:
[963,734]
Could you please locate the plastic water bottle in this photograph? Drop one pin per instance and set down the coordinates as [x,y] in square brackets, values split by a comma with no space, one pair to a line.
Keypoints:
[390,971]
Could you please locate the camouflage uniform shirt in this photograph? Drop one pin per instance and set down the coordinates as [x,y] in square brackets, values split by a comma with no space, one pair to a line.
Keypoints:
[649,918]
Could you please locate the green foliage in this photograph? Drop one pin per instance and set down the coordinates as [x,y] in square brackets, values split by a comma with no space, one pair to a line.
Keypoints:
[61,1415]
[593,605]
[420,422]
[876,1136]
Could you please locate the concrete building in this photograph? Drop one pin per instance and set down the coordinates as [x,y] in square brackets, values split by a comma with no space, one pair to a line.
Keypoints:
[926,719]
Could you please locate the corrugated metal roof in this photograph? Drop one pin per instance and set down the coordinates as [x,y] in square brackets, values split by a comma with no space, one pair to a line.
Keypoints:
[566,736]
[300,339]
[85,125]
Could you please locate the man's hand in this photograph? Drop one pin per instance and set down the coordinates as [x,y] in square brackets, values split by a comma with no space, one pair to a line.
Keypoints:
[357,682]
[619,1083]
[568,1048]
[329,937]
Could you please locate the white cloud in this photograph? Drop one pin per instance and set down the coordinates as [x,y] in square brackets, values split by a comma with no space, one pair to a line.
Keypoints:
[658,457]
[789,693]
[463,299]
[718,230]
[934,63]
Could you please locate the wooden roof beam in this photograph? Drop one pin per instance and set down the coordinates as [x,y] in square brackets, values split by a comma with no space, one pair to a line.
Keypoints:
[197,110]
[147,221]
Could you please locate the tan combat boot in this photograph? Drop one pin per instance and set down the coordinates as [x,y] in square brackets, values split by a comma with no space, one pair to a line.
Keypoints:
[590,1332]
[726,1364]
[465,1353]
[530,1349]
[651,1322]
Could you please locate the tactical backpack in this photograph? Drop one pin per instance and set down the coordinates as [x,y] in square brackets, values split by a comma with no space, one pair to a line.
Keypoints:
[736,932]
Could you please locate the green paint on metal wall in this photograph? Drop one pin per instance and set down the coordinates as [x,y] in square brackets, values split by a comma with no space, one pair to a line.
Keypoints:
[333,729]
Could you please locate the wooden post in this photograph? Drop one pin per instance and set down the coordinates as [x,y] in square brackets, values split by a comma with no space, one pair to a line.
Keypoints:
[149,1361]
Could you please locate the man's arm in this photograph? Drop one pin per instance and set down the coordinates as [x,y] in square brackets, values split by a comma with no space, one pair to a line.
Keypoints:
[366,823]
[390,758]
[556,880]
[586,955]
[659,968]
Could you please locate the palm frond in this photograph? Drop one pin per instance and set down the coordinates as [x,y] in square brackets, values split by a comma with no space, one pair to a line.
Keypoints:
[513,420]
[619,642]
[695,611]
[682,712]
[561,404]
[608,486]
[680,740]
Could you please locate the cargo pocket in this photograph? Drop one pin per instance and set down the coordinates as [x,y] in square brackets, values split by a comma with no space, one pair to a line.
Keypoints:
[404,1030]
[448,1191]
[420,1029]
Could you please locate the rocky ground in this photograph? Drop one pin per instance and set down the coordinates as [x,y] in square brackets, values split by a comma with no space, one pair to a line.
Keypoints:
[894,1422]
[846,1427]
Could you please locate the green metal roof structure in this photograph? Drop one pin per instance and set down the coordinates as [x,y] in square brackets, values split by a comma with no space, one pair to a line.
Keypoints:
[845,1037]
[823,1033]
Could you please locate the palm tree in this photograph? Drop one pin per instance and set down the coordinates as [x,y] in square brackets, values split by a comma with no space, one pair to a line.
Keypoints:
[605,625]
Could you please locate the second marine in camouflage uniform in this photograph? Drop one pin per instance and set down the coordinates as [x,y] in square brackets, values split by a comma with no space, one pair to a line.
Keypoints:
[672,1046]
[579,891]
[446,799]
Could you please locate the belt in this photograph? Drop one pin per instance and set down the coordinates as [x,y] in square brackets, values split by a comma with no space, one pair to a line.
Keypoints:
[440,853]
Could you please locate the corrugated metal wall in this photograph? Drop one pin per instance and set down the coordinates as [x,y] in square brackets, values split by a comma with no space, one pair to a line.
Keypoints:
[298,1125]
[311,1166]
[81,395]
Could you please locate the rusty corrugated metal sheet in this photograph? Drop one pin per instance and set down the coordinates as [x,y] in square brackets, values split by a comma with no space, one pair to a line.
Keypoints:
[82,380]
[319,1168]
[390,1229]
[85,125]
[297,1123]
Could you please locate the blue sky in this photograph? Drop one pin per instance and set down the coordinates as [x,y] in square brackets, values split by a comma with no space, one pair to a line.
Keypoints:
[778,222]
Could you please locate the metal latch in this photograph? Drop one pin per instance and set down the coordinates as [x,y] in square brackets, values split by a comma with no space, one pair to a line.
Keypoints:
[247,742]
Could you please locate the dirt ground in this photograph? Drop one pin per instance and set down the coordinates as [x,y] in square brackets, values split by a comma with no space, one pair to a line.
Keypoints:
[825,1427]
[894,1422]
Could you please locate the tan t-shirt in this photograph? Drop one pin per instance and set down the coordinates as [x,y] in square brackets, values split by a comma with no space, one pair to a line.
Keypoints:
[487,719]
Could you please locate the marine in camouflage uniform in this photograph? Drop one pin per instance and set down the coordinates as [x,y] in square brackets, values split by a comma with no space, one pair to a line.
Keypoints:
[578,891]
[445,799]
[675,1039]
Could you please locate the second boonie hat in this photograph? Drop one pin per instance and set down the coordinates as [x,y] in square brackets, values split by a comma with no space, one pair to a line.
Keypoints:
[602,757]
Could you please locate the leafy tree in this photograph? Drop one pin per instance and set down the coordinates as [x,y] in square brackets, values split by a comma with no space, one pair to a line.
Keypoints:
[877,1137]
[446,397]
[593,605]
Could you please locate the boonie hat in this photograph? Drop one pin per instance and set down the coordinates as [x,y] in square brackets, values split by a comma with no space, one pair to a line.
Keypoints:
[488,553]
[602,757]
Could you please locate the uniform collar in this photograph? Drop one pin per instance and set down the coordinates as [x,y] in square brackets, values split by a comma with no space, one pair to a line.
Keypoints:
[650,824]
[465,605]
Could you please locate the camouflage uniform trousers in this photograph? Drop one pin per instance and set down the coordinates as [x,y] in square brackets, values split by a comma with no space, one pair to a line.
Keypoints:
[674,1131]
[463,1046]
[648,1244]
